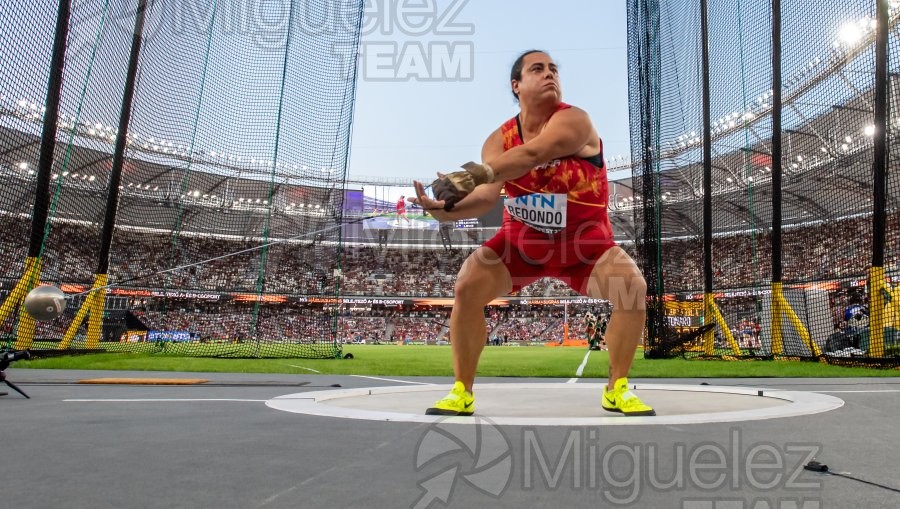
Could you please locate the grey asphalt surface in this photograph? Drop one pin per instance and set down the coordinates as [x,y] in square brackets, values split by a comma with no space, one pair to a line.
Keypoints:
[218,445]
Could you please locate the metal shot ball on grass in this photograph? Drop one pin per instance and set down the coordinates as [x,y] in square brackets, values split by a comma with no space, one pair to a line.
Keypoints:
[45,303]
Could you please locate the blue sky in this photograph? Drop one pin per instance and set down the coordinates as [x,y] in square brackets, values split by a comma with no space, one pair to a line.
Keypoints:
[413,128]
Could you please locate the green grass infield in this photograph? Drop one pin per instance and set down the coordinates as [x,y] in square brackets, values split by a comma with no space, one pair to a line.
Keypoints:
[418,360]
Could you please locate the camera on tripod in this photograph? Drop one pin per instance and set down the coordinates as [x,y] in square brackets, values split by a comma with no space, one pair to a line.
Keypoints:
[6,358]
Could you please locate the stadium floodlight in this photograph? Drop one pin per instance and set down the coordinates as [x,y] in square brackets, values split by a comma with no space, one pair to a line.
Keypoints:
[800,158]
[869,130]
[845,147]
[848,139]
[92,178]
[23,165]
[850,34]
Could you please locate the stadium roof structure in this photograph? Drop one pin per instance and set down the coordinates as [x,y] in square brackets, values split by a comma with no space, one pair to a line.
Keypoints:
[155,189]
[819,163]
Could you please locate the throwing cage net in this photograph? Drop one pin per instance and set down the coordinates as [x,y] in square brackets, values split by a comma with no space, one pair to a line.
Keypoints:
[190,159]
[766,212]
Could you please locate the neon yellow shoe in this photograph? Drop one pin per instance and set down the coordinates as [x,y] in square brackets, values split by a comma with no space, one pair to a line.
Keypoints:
[621,400]
[458,402]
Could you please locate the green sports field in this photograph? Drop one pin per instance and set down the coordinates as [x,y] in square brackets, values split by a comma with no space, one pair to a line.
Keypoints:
[415,360]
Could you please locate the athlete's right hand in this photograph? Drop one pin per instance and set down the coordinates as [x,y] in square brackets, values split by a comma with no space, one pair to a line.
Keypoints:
[437,208]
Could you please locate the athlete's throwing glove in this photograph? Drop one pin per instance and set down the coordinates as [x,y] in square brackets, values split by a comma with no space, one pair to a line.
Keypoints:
[457,185]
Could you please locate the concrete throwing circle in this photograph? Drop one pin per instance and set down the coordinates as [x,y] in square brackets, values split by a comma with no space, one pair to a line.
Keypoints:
[553,404]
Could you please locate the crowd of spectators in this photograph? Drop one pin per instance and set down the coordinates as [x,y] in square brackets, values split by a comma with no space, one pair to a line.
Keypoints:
[824,251]
[829,250]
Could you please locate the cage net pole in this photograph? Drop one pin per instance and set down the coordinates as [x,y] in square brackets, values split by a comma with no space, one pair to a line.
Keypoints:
[774,305]
[32,272]
[709,303]
[643,25]
[68,159]
[711,313]
[747,122]
[96,301]
[877,288]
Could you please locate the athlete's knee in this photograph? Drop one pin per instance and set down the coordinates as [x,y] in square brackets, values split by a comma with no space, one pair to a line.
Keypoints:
[628,291]
[474,287]
[481,279]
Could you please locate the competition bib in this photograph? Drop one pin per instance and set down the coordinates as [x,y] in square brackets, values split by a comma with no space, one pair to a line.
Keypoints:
[543,212]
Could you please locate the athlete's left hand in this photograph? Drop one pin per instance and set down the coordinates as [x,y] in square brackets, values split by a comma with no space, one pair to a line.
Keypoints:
[454,187]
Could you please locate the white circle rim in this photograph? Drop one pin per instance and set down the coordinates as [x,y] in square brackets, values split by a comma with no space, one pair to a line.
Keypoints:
[799,403]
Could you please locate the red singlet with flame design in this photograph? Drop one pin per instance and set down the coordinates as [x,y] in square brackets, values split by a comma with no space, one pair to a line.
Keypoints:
[555,221]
